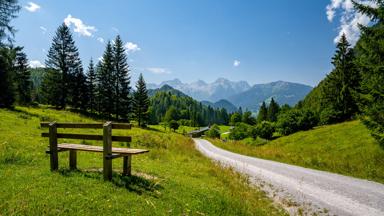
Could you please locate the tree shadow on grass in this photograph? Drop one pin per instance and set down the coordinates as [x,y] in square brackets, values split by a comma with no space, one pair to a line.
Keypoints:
[134,183]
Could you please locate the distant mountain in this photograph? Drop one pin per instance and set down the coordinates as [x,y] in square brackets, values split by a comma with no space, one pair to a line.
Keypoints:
[282,92]
[202,91]
[221,104]
[166,88]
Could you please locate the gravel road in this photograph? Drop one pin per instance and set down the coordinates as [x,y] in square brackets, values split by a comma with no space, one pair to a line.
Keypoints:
[302,190]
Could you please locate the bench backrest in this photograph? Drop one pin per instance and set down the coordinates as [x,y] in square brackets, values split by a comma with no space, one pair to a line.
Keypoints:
[54,125]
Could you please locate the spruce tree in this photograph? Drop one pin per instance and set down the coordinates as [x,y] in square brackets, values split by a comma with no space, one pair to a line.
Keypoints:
[8,11]
[141,102]
[339,91]
[370,63]
[91,87]
[7,92]
[122,82]
[22,79]
[263,113]
[51,87]
[273,111]
[63,56]
[107,83]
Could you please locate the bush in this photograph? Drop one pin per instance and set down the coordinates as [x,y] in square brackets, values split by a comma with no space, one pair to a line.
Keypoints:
[213,132]
[296,120]
[265,129]
[240,131]
[174,125]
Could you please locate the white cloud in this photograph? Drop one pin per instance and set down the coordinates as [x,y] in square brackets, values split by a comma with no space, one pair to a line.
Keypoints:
[43,29]
[157,70]
[349,18]
[100,39]
[132,47]
[35,64]
[32,7]
[80,27]
[236,63]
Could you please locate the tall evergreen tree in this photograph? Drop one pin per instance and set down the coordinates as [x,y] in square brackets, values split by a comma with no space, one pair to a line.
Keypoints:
[7,95]
[51,87]
[121,86]
[141,102]
[22,78]
[91,87]
[63,57]
[263,113]
[370,62]
[340,89]
[273,111]
[107,82]
[8,11]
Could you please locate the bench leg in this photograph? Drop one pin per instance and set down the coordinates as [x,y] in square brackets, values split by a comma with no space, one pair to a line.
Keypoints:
[72,159]
[127,161]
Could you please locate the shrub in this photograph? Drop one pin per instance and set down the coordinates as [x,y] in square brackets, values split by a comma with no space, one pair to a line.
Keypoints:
[239,132]
[265,129]
[174,125]
[213,132]
[296,120]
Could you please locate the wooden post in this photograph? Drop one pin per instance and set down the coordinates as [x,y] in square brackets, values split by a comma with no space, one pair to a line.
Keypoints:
[53,146]
[72,159]
[127,161]
[107,150]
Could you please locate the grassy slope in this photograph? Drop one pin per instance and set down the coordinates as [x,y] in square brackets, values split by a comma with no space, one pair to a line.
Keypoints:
[345,148]
[173,179]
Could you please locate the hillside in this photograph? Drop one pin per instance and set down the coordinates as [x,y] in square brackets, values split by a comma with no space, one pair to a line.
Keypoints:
[173,179]
[282,92]
[345,148]
[221,104]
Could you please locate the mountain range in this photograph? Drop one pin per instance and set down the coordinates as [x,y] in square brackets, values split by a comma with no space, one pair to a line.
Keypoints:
[233,94]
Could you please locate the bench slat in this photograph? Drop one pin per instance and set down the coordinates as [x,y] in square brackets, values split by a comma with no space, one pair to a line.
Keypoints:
[90,148]
[87,125]
[89,137]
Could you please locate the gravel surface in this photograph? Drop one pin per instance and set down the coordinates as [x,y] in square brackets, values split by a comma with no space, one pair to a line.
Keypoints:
[301,190]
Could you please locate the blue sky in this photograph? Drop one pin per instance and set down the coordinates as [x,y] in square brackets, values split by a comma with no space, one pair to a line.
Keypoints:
[257,41]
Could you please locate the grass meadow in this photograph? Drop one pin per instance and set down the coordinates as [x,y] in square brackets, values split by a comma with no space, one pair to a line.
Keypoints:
[346,148]
[173,179]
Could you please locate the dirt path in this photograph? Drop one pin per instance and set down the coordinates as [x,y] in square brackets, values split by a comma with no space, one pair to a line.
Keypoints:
[305,190]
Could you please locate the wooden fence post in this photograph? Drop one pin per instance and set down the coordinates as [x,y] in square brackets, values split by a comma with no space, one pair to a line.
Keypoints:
[107,150]
[53,146]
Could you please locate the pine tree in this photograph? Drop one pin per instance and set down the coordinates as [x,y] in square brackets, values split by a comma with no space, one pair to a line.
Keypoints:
[91,87]
[63,57]
[22,78]
[370,62]
[51,87]
[107,82]
[79,85]
[273,111]
[141,102]
[263,113]
[7,92]
[8,11]
[122,88]
[341,86]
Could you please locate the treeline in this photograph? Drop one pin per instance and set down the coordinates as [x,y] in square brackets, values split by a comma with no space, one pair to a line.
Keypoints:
[168,107]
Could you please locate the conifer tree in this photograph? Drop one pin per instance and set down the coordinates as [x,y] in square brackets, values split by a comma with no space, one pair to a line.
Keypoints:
[51,87]
[7,96]
[273,111]
[91,87]
[370,62]
[8,11]
[63,57]
[121,86]
[107,82]
[141,102]
[340,88]
[263,113]
[22,78]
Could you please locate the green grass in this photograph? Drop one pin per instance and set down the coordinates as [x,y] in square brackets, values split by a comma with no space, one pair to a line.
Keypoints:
[345,148]
[173,179]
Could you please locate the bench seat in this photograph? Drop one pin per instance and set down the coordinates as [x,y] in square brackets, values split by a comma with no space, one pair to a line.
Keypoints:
[91,148]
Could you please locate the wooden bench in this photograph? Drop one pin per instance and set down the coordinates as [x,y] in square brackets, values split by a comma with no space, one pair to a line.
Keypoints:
[108,151]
